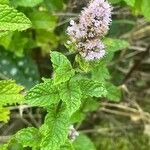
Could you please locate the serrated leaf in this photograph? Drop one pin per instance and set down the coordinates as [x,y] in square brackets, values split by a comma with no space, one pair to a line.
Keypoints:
[4,114]
[43,20]
[62,68]
[146,9]
[130,2]
[114,94]
[26,3]
[92,88]
[100,73]
[11,19]
[43,94]
[28,137]
[70,93]
[83,142]
[114,45]
[10,92]
[67,146]
[55,129]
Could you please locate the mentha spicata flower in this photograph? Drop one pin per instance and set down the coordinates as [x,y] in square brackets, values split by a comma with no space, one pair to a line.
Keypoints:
[93,23]
[91,49]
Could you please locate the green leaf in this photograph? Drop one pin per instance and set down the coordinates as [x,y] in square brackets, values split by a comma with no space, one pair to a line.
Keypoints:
[83,142]
[10,92]
[62,68]
[92,88]
[21,69]
[146,9]
[18,43]
[26,3]
[55,129]
[4,114]
[100,73]
[70,93]
[114,93]
[67,146]
[14,145]
[11,19]
[28,137]
[114,45]
[43,20]
[130,2]
[90,104]
[43,94]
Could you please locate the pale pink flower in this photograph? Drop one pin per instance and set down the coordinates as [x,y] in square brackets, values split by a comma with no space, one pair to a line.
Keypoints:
[93,23]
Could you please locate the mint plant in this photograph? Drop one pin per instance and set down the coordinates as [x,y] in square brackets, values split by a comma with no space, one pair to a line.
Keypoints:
[75,86]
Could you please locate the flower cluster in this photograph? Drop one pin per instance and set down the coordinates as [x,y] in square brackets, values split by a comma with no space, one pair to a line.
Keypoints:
[93,23]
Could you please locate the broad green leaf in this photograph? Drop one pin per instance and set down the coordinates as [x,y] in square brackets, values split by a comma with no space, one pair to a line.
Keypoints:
[130,2]
[83,142]
[55,129]
[26,3]
[114,45]
[21,69]
[70,93]
[28,137]
[146,9]
[11,19]
[62,68]
[92,88]
[114,94]
[100,73]
[43,94]
[90,104]
[10,92]
[43,20]
[4,114]
[67,146]
[77,117]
